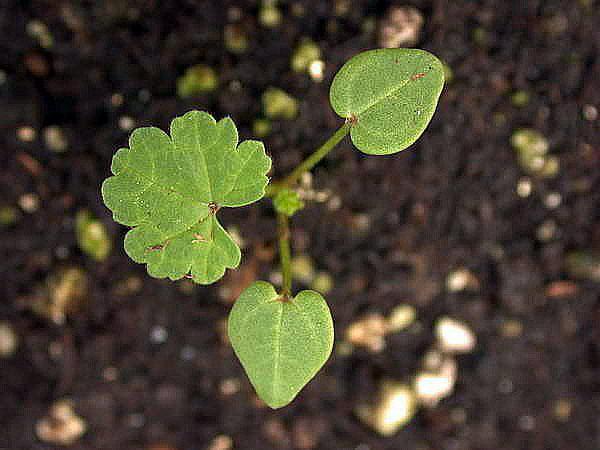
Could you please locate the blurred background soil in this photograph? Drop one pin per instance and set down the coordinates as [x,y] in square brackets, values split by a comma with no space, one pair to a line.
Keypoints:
[457,226]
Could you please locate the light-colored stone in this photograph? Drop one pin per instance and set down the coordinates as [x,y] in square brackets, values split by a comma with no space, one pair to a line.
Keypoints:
[55,138]
[64,294]
[432,386]
[29,202]
[401,317]
[400,27]
[395,407]
[9,340]
[461,279]
[368,332]
[454,336]
[221,442]
[62,426]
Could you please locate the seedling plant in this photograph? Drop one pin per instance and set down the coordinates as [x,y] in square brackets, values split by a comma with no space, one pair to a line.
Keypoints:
[169,188]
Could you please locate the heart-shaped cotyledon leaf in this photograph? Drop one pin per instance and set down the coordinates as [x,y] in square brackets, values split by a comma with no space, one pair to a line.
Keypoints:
[389,96]
[169,189]
[282,343]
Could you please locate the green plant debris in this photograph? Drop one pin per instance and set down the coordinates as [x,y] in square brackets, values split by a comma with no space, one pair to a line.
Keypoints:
[197,80]
[389,96]
[261,127]
[583,265]
[448,72]
[532,151]
[480,36]
[269,15]
[520,99]
[278,104]
[305,54]
[170,188]
[9,215]
[303,269]
[92,237]
[282,343]
[322,282]
[235,38]
[288,202]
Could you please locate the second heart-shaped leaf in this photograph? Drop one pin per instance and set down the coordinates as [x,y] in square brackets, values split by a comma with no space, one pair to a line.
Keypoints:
[281,343]
[389,95]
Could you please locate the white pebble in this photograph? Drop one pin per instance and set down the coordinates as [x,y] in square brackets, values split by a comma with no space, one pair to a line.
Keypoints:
[126,123]
[29,202]
[396,407]
[62,426]
[431,387]
[8,340]
[461,279]
[454,336]
[524,187]
[158,334]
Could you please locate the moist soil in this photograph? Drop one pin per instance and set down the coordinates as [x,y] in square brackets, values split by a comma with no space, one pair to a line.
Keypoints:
[144,360]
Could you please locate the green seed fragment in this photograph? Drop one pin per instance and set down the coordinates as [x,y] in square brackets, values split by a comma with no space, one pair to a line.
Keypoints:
[197,80]
[236,40]
[322,282]
[8,216]
[278,104]
[92,236]
[520,98]
[261,127]
[532,151]
[269,15]
[305,54]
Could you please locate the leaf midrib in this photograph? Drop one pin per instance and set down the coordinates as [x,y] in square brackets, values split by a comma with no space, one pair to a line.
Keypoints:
[277,353]
[383,97]
[199,148]
[153,182]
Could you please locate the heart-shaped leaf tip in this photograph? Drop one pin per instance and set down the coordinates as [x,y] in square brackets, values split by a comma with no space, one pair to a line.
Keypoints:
[281,343]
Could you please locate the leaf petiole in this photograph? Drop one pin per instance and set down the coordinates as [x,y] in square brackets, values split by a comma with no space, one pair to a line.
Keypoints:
[311,161]
[283,232]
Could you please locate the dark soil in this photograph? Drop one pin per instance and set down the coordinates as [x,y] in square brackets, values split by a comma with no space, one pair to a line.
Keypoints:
[449,201]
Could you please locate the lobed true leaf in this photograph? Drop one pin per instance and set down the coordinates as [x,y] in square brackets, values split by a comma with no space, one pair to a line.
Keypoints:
[169,189]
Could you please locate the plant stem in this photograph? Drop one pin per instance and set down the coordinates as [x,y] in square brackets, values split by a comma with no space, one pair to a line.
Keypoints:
[283,230]
[283,225]
[312,160]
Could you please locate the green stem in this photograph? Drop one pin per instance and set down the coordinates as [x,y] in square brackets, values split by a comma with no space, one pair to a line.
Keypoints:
[283,230]
[312,160]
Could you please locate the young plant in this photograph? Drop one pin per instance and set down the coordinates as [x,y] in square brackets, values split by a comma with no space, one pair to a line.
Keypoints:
[169,189]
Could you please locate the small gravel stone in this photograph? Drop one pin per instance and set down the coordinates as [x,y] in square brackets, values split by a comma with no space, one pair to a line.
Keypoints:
[401,317]
[395,407]
[221,442]
[26,134]
[29,203]
[55,138]
[62,426]
[9,340]
[401,27]
[461,279]
[159,334]
[432,386]
[368,332]
[454,336]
